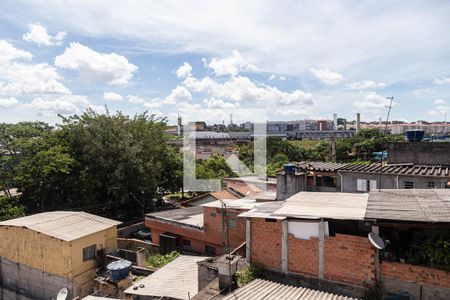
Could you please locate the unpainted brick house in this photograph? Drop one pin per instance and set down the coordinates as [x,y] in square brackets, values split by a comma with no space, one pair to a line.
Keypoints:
[208,228]
[323,237]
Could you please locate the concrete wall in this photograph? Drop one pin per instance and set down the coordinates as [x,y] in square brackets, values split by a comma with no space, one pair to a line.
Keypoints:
[58,258]
[289,184]
[419,153]
[36,250]
[388,181]
[21,280]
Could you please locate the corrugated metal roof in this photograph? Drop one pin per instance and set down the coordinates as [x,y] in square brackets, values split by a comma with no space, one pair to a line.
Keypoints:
[175,280]
[263,289]
[265,210]
[428,205]
[191,216]
[316,205]
[63,225]
[395,169]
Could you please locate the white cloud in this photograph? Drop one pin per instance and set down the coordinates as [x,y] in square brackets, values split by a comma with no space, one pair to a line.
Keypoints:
[9,53]
[99,109]
[327,76]
[135,99]
[218,103]
[422,92]
[241,88]
[273,77]
[282,78]
[39,35]
[231,65]
[439,102]
[8,102]
[23,79]
[185,70]
[439,110]
[362,85]
[111,96]
[371,101]
[65,104]
[113,69]
[442,81]
[179,93]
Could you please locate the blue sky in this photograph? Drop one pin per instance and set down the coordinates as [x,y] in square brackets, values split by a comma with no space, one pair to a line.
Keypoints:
[296,59]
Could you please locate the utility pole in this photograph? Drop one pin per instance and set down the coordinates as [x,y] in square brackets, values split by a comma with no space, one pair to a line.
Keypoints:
[391,99]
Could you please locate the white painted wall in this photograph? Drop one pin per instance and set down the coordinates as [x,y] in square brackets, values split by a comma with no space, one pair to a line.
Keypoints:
[305,230]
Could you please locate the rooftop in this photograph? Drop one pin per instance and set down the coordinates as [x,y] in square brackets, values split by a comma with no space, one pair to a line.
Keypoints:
[396,169]
[176,280]
[263,289]
[190,216]
[414,205]
[314,205]
[234,204]
[430,205]
[63,225]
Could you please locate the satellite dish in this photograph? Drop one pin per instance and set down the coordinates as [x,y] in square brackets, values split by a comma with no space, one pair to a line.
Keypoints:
[376,241]
[62,294]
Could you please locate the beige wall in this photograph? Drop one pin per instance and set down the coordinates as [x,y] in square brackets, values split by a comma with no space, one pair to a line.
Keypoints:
[55,256]
[37,250]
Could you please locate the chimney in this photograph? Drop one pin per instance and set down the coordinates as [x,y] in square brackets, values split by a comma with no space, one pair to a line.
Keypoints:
[358,122]
[334,121]
[227,265]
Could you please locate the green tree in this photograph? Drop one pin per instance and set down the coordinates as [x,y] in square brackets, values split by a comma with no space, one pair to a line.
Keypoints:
[10,208]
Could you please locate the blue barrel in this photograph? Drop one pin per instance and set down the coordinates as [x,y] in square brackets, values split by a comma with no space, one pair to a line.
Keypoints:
[415,135]
[119,269]
[289,168]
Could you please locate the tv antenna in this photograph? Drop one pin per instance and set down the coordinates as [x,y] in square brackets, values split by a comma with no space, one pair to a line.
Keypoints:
[383,150]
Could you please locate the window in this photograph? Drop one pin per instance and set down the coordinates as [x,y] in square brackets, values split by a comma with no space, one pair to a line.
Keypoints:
[210,250]
[329,181]
[361,185]
[409,185]
[213,214]
[271,220]
[89,252]
[319,181]
[186,245]
[431,184]
[364,185]
[231,223]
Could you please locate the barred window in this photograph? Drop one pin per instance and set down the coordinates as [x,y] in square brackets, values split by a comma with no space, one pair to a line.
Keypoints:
[409,185]
[89,252]
[431,184]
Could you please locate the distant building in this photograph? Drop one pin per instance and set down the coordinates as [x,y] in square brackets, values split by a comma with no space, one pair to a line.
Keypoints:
[43,253]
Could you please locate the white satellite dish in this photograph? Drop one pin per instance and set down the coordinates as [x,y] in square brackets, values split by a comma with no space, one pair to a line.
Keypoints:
[376,241]
[62,294]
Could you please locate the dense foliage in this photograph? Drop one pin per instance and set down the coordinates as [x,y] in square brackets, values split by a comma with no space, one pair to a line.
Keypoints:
[248,274]
[430,248]
[112,165]
[160,260]
[10,208]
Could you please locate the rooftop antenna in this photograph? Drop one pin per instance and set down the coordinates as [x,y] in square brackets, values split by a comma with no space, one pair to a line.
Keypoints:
[384,138]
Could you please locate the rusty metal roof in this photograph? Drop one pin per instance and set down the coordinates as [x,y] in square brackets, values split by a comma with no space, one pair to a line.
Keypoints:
[428,205]
[264,289]
[395,169]
[63,225]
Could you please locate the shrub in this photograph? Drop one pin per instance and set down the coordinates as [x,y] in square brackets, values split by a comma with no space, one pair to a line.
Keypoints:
[160,260]
[247,274]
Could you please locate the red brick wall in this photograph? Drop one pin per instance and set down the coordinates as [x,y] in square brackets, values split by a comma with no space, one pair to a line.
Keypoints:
[349,259]
[415,274]
[266,243]
[303,256]
[213,226]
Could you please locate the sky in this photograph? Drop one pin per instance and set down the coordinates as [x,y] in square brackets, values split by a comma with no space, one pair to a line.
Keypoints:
[294,59]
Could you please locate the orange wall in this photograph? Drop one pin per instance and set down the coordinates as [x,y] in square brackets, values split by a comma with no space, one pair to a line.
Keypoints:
[415,274]
[266,243]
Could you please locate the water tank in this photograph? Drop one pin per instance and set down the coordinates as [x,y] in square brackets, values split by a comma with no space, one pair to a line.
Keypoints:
[289,168]
[415,135]
[119,269]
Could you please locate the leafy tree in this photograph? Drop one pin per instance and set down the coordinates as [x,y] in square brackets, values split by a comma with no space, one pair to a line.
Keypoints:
[10,208]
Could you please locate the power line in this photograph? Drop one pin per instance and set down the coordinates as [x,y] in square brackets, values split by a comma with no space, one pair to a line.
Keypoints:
[384,138]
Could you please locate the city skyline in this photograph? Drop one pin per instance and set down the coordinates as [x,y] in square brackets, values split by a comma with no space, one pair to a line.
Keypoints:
[298,63]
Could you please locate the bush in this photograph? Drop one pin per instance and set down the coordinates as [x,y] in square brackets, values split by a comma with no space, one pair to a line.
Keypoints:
[373,291]
[160,260]
[247,274]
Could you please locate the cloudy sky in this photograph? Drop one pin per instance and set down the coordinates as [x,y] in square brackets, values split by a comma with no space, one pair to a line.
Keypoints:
[297,60]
